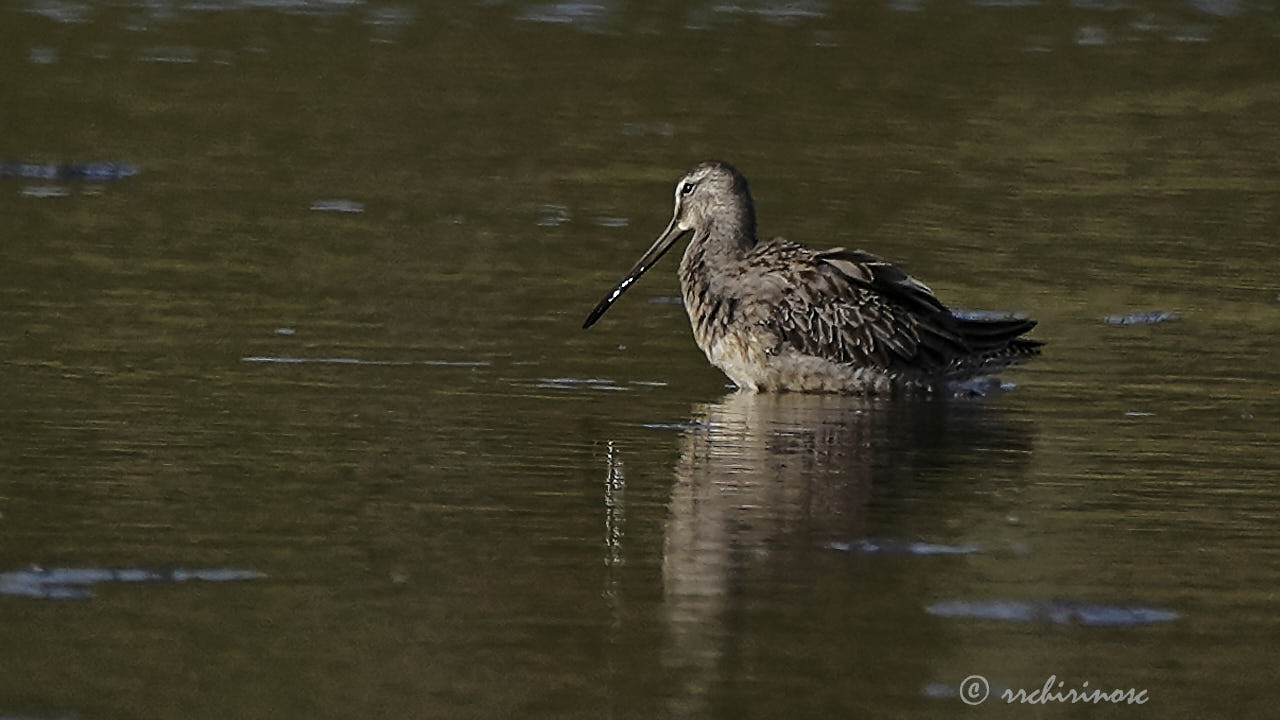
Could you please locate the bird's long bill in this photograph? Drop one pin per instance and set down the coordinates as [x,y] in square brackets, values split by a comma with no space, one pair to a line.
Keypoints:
[646,261]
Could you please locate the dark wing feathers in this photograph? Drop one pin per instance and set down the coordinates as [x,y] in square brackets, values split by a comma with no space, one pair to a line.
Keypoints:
[874,273]
[850,306]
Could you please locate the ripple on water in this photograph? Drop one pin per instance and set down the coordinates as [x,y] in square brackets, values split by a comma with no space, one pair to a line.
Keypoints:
[938,690]
[287,360]
[1144,317]
[981,386]
[918,548]
[1053,612]
[565,13]
[338,206]
[553,215]
[60,10]
[601,384]
[42,55]
[178,55]
[894,546]
[44,191]
[567,383]
[87,171]
[76,583]
[679,426]
[987,315]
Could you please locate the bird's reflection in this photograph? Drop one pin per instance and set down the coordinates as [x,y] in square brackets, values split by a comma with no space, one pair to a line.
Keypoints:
[769,479]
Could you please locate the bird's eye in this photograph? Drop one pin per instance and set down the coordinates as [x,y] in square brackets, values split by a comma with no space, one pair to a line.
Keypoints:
[685,189]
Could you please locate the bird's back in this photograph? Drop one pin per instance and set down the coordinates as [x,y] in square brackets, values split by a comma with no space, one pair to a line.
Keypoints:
[785,317]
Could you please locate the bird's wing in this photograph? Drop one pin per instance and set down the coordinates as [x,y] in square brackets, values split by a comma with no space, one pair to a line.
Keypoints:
[850,306]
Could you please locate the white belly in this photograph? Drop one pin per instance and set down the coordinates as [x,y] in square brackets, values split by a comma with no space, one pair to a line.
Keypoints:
[747,363]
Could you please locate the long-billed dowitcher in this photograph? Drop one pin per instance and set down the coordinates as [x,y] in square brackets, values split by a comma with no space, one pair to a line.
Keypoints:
[778,316]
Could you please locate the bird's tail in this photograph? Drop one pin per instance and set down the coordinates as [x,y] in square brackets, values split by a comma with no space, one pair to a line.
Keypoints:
[996,342]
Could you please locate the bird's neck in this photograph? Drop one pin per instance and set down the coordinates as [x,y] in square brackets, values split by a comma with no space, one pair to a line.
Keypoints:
[738,224]
[732,231]
[713,252]
[712,258]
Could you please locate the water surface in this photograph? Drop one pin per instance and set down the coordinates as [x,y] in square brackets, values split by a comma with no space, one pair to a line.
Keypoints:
[294,290]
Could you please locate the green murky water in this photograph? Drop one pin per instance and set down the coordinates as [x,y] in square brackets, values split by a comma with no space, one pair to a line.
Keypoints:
[299,420]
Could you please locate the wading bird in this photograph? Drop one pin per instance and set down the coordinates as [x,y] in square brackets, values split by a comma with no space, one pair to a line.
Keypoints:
[777,316]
